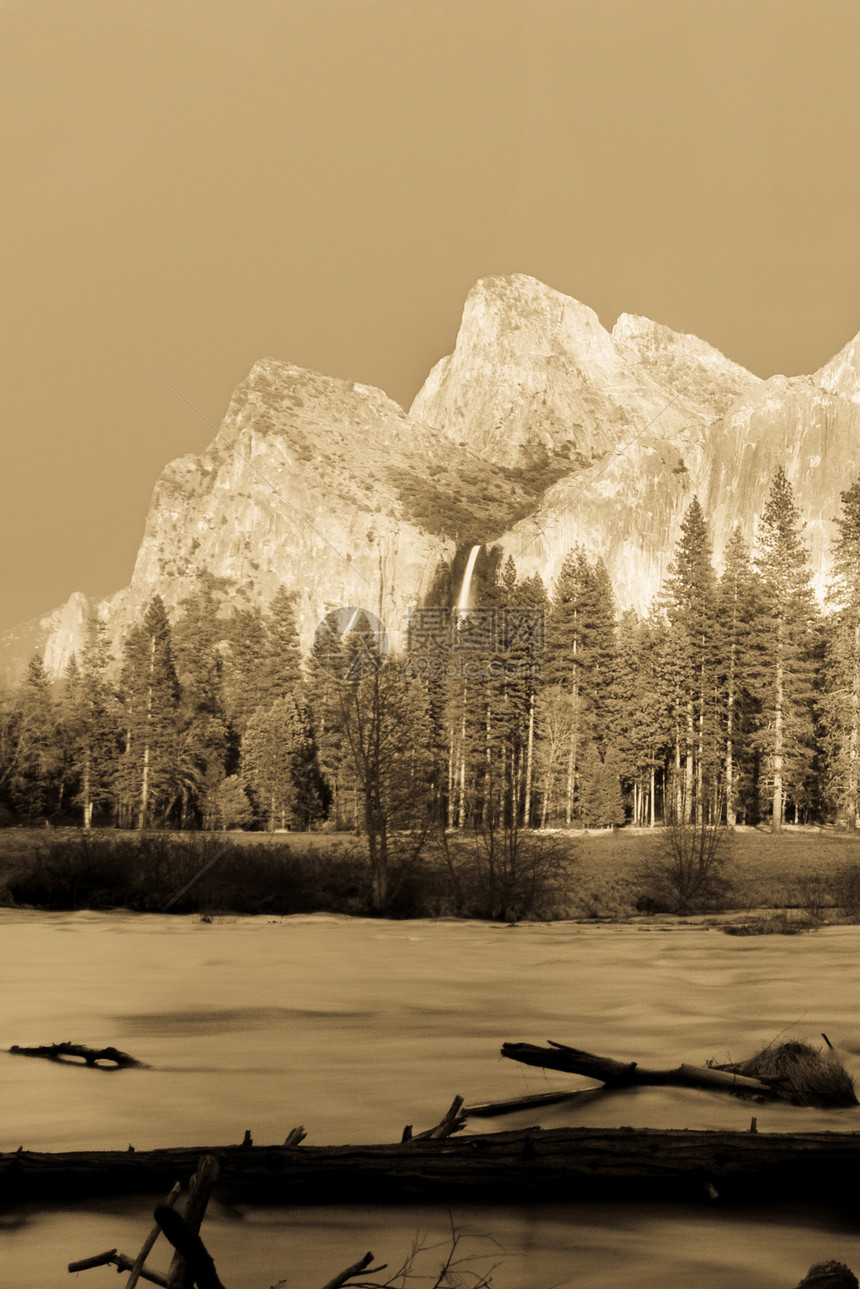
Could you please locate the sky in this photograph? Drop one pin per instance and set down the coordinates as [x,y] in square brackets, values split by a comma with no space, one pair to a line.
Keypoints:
[189,185]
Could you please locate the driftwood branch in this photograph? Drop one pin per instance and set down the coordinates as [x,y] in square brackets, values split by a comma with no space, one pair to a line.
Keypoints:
[138,1269]
[189,1247]
[200,1188]
[451,1122]
[355,1270]
[121,1262]
[79,1053]
[625,1074]
[490,1109]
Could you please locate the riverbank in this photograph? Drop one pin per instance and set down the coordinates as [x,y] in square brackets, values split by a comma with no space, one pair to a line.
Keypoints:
[802,878]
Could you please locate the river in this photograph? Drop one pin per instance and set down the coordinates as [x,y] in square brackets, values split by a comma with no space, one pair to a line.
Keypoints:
[354,1028]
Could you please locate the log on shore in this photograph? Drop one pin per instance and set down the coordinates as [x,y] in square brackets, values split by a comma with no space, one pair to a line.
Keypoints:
[620,1163]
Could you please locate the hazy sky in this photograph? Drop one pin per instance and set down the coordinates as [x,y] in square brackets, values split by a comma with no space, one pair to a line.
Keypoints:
[188,185]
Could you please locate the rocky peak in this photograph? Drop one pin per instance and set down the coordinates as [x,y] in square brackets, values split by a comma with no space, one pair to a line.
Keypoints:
[841,375]
[533,373]
[678,361]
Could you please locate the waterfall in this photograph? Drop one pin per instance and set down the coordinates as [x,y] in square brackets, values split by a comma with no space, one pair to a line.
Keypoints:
[463,602]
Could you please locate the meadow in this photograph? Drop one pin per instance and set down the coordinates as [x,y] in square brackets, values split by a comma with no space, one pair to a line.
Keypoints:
[802,878]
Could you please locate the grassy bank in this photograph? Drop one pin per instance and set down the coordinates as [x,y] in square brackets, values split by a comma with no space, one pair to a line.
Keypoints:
[599,876]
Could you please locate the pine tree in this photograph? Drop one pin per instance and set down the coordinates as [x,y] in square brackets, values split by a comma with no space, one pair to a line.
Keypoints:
[34,775]
[246,678]
[579,655]
[641,721]
[689,596]
[601,802]
[232,807]
[786,642]
[739,608]
[523,646]
[90,719]
[150,696]
[201,748]
[283,652]
[840,701]
[279,763]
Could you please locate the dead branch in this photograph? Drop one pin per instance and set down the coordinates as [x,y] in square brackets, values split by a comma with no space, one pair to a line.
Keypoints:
[199,1190]
[619,1074]
[355,1270]
[451,1122]
[138,1269]
[190,1248]
[75,1053]
[121,1262]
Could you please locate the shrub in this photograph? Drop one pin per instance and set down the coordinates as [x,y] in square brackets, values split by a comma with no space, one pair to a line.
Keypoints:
[691,859]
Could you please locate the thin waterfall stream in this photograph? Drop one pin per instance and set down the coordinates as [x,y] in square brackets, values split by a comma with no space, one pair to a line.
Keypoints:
[463,602]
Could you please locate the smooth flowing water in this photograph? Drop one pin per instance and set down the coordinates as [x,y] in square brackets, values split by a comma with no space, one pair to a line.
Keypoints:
[354,1028]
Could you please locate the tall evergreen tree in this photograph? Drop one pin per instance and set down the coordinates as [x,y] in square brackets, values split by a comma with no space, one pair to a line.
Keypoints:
[841,697]
[691,609]
[246,676]
[739,608]
[202,745]
[279,764]
[579,655]
[150,696]
[786,642]
[91,722]
[283,651]
[33,775]
[641,718]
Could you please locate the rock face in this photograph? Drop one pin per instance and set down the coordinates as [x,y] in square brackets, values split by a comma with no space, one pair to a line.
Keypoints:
[541,430]
[657,417]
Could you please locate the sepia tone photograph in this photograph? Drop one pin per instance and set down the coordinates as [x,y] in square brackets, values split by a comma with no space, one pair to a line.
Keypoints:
[430,644]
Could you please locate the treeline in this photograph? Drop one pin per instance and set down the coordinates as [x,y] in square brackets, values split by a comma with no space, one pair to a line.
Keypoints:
[736,699]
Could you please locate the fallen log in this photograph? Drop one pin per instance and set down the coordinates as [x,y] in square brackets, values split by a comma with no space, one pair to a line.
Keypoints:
[790,1072]
[626,1074]
[612,1163]
[79,1053]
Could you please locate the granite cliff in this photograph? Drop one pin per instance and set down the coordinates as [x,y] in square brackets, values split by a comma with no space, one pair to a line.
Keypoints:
[540,430]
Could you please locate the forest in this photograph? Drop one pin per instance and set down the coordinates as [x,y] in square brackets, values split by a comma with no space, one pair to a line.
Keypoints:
[734,700]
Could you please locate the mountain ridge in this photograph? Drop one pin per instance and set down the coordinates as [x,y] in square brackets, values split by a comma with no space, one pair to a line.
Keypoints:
[540,430]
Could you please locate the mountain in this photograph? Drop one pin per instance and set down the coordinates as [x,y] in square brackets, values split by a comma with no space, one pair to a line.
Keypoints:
[540,430]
